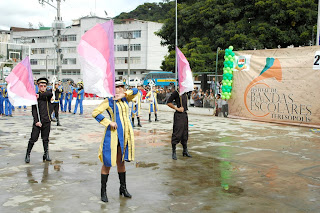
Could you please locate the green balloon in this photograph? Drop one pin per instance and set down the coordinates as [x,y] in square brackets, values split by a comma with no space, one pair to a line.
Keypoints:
[230,47]
[229,84]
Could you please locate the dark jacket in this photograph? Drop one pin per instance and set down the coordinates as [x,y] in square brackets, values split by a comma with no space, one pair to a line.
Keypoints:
[44,106]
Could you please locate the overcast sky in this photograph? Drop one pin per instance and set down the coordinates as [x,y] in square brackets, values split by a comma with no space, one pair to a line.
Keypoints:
[18,13]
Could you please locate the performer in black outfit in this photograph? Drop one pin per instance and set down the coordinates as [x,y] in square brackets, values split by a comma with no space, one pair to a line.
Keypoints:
[55,105]
[180,123]
[42,125]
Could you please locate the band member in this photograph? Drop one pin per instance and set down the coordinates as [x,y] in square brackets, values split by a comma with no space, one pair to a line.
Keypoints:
[55,105]
[118,143]
[136,106]
[80,97]
[1,101]
[153,107]
[68,97]
[43,124]
[180,123]
[7,105]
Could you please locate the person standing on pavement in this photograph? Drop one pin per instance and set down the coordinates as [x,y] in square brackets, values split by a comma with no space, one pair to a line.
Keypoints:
[1,101]
[61,95]
[153,103]
[136,108]
[68,97]
[44,123]
[55,105]
[7,105]
[180,123]
[80,97]
[118,143]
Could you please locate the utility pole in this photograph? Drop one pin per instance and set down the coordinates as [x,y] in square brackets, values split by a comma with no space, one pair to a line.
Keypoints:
[129,37]
[57,25]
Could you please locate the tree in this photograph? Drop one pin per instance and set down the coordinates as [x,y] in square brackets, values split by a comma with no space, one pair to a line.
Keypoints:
[247,24]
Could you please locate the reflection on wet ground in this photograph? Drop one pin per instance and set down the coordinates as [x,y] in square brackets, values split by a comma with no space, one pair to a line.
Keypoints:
[236,166]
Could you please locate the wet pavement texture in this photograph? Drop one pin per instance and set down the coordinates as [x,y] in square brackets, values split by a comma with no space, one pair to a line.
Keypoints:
[236,166]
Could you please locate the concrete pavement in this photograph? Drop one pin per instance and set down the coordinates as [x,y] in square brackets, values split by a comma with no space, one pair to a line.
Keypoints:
[236,166]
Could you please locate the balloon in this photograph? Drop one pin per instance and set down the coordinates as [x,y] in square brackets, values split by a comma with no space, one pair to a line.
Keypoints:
[227,97]
[229,84]
[223,97]
[231,81]
[231,48]
[233,54]
[224,84]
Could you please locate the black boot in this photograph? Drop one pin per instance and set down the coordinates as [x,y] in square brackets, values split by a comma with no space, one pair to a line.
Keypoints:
[156,119]
[46,151]
[58,122]
[27,159]
[185,151]
[174,155]
[139,124]
[123,188]
[149,117]
[133,122]
[104,180]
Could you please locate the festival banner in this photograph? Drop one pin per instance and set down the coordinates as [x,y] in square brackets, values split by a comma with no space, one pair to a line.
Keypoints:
[282,85]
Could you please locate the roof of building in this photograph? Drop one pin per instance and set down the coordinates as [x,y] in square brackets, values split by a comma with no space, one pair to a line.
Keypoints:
[20,29]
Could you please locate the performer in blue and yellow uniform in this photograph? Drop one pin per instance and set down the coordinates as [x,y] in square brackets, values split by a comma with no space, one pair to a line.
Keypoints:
[153,107]
[7,105]
[136,107]
[1,101]
[117,145]
[80,97]
[68,98]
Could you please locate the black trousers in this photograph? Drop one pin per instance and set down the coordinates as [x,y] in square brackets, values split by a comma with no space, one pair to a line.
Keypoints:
[55,107]
[45,131]
[180,128]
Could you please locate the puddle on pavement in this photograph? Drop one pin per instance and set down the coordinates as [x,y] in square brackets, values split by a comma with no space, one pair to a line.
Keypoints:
[146,165]
[89,163]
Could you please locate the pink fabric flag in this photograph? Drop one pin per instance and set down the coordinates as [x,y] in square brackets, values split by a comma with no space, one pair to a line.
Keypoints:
[96,55]
[20,85]
[184,73]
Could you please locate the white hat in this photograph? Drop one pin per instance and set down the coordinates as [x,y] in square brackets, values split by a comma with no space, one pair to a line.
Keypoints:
[119,83]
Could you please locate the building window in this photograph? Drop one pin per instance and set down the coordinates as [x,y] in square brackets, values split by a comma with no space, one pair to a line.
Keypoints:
[36,72]
[124,47]
[72,61]
[69,38]
[34,62]
[120,73]
[72,37]
[136,34]
[124,60]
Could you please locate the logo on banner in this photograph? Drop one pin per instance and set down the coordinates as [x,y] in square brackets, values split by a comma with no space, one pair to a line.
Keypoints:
[242,63]
[278,104]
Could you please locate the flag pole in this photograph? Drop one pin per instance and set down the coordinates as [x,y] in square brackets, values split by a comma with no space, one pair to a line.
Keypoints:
[176,67]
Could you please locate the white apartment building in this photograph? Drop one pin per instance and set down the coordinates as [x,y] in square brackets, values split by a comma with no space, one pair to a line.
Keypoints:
[146,52]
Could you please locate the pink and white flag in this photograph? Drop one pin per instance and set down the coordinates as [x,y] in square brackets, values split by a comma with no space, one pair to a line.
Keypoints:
[20,85]
[96,55]
[184,73]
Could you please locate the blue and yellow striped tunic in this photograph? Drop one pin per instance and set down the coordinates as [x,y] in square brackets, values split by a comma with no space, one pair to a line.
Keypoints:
[136,105]
[124,133]
[152,97]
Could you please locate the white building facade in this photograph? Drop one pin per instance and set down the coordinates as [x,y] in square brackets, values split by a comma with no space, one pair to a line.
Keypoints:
[146,52]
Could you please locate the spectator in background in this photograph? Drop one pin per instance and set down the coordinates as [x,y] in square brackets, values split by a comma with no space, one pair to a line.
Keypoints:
[206,101]
[219,106]
[196,97]
[191,99]
[211,100]
[225,108]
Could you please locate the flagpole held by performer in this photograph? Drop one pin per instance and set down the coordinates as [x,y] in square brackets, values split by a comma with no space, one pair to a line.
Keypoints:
[180,122]
[117,145]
